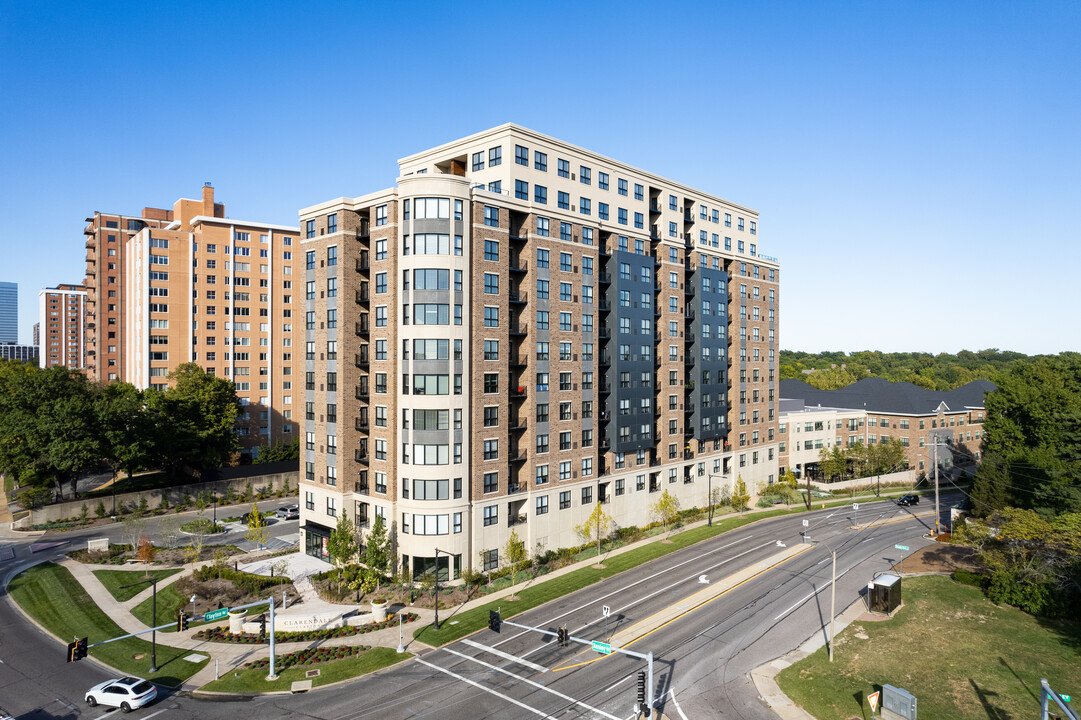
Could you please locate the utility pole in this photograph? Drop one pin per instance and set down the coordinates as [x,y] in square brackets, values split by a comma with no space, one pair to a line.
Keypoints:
[935,453]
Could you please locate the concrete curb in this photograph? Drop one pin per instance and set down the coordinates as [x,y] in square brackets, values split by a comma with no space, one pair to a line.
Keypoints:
[764,676]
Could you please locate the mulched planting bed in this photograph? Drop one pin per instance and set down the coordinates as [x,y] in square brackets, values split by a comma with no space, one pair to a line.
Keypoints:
[222,634]
[311,656]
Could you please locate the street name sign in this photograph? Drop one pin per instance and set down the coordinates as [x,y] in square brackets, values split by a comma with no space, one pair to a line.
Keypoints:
[602,647]
[900,547]
[212,615]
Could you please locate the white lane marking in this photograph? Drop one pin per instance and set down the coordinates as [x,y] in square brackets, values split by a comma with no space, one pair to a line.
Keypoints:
[159,712]
[663,589]
[506,656]
[616,684]
[707,630]
[672,692]
[807,598]
[477,685]
[823,560]
[537,685]
[624,589]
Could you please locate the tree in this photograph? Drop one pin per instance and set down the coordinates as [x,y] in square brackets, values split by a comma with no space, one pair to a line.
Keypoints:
[127,427]
[666,509]
[199,411]
[132,527]
[257,527]
[789,478]
[277,452]
[376,549]
[514,549]
[146,551]
[596,525]
[740,496]
[832,462]
[342,545]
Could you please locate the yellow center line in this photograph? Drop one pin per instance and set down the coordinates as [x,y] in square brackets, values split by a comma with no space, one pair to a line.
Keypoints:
[683,613]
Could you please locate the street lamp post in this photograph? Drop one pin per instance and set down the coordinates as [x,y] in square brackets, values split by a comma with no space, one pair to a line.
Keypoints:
[709,491]
[437,551]
[154,621]
[833,590]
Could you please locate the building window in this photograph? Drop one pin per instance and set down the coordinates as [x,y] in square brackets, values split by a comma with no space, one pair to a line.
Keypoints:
[564,168]
[495,156]
[491,216]
[540,194]
[491,517]
[521,155]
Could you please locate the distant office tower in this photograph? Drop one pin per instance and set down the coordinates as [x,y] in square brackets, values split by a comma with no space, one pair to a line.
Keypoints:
[23,353]
[518,330]
[9,312]
[217,292]
[62,314]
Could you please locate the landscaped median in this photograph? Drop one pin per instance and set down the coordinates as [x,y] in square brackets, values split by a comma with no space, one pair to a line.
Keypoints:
[291,667]
[52,596]
[962,656]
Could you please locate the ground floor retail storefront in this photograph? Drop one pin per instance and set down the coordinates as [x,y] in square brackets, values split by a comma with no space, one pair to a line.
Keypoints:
[316,539]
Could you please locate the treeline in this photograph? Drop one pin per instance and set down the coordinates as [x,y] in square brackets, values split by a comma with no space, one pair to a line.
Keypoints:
[1027,491]
[55,425]
[934,372]
[860,461]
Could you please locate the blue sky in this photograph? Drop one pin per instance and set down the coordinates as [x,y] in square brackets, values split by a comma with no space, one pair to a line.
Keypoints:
[915,164]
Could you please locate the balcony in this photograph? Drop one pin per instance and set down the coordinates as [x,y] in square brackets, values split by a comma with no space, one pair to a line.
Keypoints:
[518,265]
[604,305]
[517,393]
[362,264]
[361,456]
[688,408]
[519,236]
[604,333]
[689,290]
[518,361]
[654,207]
[605,277]
[361,360]
[518,425]
[519,329]
[519,457]
[363,394]
[361,424]
[362,295]
[517,298]
[689,314]
[361,488]
[514,488]
[516,520]
[689,361]
[362,327]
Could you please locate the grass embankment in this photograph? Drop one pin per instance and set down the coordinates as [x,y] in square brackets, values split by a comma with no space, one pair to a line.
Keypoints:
[54,598]
[961,655]
[169,604]
[114,580]
[254,680]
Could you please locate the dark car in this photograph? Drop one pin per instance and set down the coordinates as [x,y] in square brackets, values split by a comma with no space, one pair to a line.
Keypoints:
[909,500]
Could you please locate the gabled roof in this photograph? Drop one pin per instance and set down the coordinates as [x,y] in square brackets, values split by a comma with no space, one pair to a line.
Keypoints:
[897,398]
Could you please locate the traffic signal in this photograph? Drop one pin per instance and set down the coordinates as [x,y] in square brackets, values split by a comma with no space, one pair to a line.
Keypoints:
[262,626]
[181,622]
[77,650]
[494,621]
[564,636]
[641,688]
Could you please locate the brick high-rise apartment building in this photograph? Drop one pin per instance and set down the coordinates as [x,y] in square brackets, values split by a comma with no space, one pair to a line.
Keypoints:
[62,334]
[217,292]
[519,329]
[106,237]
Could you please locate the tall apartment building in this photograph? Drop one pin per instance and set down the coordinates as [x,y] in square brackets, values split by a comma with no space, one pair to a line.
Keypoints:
[519,329]
[62,315]
[216,291]
[873,410]
[9,312]
[106,238]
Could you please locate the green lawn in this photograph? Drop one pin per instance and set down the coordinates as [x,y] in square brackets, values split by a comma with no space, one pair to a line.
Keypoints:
[114,579]
[963,657]
[253,681]
[54,598]
[169,602]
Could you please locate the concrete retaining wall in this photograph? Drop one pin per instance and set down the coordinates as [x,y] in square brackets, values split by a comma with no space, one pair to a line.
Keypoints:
[269,482]
[905,476]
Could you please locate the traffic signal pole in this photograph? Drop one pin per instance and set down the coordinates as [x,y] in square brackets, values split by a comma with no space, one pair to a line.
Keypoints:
[648,657]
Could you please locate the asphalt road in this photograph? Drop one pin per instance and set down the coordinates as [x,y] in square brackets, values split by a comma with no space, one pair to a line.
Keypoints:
[702,657]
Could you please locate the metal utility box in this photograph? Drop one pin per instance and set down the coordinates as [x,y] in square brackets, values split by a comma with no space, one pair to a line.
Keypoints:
[897,704]
[884,594]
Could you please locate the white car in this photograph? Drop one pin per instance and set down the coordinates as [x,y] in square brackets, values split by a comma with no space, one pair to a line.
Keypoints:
[126,693]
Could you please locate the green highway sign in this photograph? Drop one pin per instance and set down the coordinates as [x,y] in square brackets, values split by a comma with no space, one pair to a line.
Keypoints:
[212,615]
[602,647]
[900,547]
[1065,698]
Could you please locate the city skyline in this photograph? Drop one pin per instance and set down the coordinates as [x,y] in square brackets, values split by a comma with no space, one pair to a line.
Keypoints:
[896,159]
